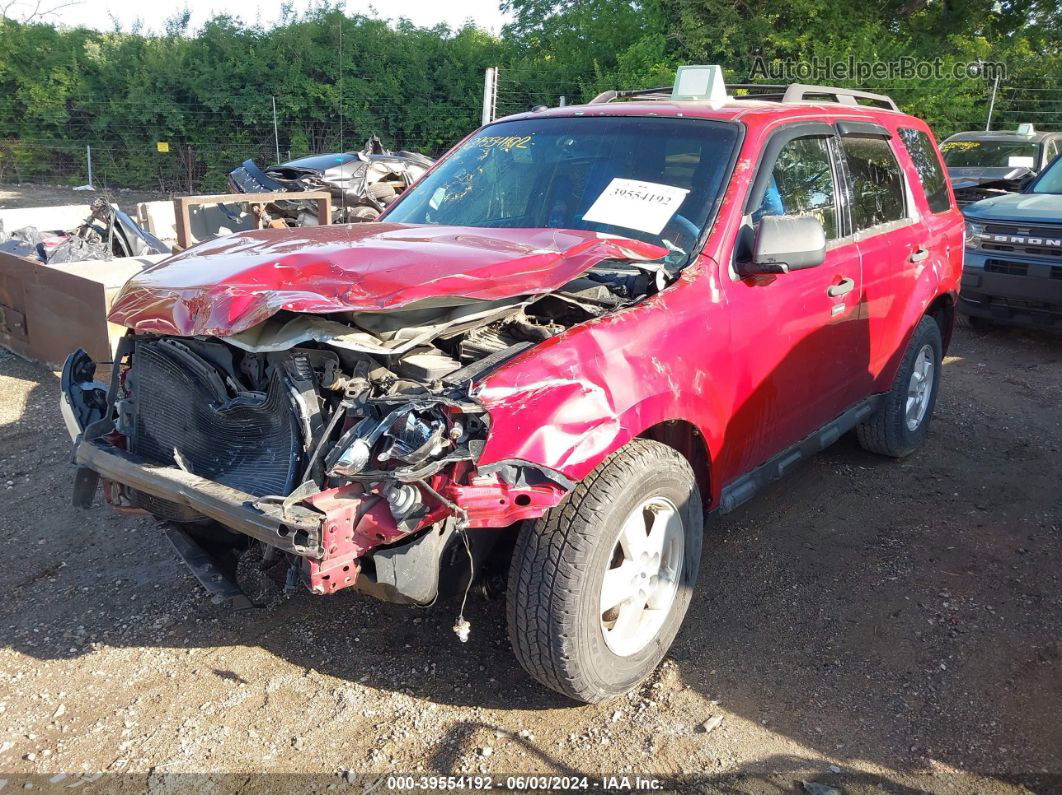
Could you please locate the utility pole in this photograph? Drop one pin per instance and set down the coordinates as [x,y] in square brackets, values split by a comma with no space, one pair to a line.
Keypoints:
[88,157]
[276,137]
[341,148]
[992,104]
[563,101]
[490,94]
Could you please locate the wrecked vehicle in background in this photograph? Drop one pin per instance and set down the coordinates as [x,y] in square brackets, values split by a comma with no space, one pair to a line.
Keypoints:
[578,331]
[362,184]
[106,233]
[982,165]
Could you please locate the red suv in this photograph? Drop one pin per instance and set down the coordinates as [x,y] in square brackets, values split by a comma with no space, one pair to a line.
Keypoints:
[582,333]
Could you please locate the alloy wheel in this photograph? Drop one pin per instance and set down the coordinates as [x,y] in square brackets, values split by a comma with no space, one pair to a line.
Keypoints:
[641,582]
[919,388]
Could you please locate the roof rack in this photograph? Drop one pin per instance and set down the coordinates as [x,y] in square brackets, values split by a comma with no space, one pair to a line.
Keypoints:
[800,92]
[645,93]
[794,92]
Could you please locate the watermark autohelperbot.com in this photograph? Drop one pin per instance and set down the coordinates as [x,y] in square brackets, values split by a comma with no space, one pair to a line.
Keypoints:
[830,69]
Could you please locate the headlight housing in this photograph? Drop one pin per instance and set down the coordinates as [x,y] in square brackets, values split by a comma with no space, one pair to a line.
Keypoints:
[974,233]
[407,441]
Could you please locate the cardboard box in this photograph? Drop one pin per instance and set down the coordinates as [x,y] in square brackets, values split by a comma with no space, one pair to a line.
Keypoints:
[47,311]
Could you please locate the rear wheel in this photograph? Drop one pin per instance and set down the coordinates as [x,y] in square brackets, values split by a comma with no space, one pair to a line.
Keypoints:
[599,586]
[901,423]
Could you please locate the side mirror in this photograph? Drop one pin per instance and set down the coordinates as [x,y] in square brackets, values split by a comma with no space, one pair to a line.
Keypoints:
[787,243]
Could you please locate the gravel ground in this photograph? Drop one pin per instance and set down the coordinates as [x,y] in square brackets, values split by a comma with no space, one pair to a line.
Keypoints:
[870,625]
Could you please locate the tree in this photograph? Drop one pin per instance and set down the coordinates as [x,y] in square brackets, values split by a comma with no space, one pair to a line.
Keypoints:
[338,78]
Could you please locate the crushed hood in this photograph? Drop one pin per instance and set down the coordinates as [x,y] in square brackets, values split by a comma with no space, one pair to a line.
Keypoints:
[969,176]
[972,184]
[233,283]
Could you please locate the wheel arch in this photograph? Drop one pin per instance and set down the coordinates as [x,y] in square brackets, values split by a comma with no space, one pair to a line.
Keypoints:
[685,438]
[942,310]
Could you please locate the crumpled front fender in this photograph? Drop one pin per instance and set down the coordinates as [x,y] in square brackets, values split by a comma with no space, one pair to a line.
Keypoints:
[571,401]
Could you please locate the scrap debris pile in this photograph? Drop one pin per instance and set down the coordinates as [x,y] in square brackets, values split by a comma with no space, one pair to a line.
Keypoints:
[362,184]
[106,233]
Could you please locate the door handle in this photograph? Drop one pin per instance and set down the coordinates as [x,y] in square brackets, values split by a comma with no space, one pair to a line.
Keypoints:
[844,288]
[919,254]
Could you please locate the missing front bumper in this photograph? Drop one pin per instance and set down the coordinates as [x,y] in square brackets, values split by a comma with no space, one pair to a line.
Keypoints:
[298,531]
[407,572]
[345,536]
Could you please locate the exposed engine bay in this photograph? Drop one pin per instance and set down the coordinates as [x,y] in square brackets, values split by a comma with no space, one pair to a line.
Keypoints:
[353,432]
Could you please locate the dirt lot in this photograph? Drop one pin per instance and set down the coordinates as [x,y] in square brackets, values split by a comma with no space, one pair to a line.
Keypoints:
[868,624]
[31,195]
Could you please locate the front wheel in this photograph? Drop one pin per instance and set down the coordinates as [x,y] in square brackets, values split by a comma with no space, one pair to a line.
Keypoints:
[599,586]
[901,423]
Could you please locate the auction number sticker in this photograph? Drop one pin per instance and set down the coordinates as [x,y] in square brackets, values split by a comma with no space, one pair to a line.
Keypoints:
[633,204]
[504,142]
[441,783]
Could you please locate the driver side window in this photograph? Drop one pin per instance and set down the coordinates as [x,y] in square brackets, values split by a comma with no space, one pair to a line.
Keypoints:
[802,183]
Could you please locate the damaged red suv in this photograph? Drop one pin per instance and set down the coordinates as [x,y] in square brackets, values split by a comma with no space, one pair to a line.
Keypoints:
[581,334]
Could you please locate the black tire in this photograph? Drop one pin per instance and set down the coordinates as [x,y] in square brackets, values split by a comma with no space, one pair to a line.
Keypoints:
[887,431]
[973,322]
[383,192]
[262,583]
[559,564]
[166,511]
[363,214]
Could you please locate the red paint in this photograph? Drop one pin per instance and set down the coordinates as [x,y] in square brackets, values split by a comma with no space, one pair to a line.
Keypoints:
[486,500]
[343,540]
[229,284]
[753,364]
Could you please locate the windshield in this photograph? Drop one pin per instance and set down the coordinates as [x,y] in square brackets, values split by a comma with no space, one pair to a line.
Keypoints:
[1050,180]
[990,154]
[652,179]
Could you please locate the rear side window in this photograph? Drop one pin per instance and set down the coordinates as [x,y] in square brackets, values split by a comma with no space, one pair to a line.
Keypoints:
[802,184]
[876,186]
[927,164]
